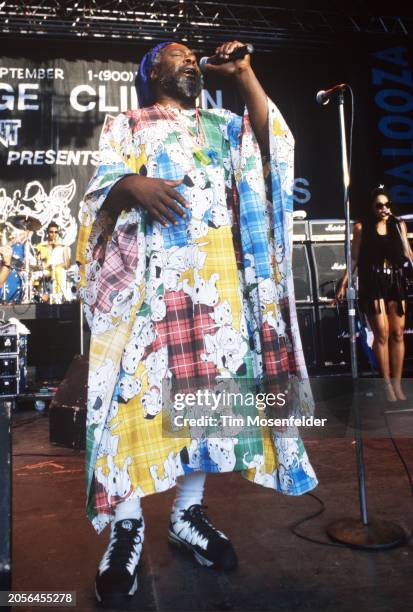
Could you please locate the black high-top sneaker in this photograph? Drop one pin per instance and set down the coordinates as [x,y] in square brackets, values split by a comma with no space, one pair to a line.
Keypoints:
[190,528]
[116,579]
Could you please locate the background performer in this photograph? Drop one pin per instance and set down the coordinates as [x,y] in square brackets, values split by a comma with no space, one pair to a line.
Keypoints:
[55,258]
[380,249]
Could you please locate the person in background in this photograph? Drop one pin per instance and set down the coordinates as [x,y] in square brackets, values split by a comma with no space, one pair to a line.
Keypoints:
[53,252]
[6,253]
[12,284]
[380,249]
[55,258]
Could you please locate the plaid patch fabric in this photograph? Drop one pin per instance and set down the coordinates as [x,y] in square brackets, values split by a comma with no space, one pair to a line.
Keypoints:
[190,305]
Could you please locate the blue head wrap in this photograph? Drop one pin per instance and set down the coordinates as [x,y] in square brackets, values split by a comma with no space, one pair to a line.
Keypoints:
[143,76]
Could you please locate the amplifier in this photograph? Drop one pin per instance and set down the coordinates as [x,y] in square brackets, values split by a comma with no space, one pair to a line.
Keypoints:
[12,343]
[67,412]
[329,265]
[300,231]
[408,219]
[53,344]
[9,366]
[408,328]
[334,340]
[408,341]
[308,332]
[329,230]
[303,286]
[10,386]
[9,343]
[67,426]
[13,351]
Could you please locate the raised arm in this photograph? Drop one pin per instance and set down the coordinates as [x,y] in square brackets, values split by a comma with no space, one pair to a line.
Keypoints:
[250,89]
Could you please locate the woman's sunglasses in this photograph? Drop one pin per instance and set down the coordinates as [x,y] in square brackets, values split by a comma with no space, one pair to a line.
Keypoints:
[380,205]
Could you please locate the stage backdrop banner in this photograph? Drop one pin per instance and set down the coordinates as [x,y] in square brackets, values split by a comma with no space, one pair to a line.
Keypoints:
[51,116]
[53,102]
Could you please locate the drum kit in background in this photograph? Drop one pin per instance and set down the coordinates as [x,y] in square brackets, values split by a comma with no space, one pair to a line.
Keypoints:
[30,279]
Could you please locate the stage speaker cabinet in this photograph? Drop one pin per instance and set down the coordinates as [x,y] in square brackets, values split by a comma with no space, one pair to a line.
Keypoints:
[303,286]
[329,268]
[67,416]
[301,231]
[54,339]
[13,357]
[329,230]
[307,323]
[408,219]
[334,343]
[408,339]
[12,375]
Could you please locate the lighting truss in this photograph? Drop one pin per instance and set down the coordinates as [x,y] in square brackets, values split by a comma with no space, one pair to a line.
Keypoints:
[205,23]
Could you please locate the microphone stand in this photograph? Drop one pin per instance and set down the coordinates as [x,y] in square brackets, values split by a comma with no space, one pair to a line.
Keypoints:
[362,533]
[26,293]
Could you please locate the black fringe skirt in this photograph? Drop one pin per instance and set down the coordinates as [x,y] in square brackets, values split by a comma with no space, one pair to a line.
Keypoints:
[388,284]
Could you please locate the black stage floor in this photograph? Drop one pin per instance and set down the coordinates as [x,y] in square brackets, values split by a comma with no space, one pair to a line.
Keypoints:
[54,547]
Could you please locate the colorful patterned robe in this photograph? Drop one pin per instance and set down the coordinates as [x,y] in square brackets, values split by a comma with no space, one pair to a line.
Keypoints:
[208,298]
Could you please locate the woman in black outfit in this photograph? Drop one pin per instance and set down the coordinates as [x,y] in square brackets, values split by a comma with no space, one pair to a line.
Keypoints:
[380,249]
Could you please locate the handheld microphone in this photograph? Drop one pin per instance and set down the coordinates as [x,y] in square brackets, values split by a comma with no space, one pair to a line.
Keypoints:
[238,53]
[323,97]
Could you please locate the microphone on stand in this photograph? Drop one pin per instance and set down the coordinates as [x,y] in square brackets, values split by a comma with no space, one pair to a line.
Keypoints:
[238,53]
[323,96]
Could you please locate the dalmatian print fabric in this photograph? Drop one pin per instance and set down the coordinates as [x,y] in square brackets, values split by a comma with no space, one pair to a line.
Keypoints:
[210,297]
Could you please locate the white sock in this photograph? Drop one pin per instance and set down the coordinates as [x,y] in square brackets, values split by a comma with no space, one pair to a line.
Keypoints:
[128,509]
[189,490]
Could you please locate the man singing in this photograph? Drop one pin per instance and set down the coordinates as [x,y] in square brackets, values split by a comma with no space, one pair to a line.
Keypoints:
[185,253]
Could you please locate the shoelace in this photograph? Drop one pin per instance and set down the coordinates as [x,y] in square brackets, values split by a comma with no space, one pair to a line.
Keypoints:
[124,544]
[195,514]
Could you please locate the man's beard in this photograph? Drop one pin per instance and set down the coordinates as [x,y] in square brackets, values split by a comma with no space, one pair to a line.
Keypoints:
[180,86]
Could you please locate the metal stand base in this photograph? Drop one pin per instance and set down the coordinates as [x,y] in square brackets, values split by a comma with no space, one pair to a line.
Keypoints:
[376,535]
